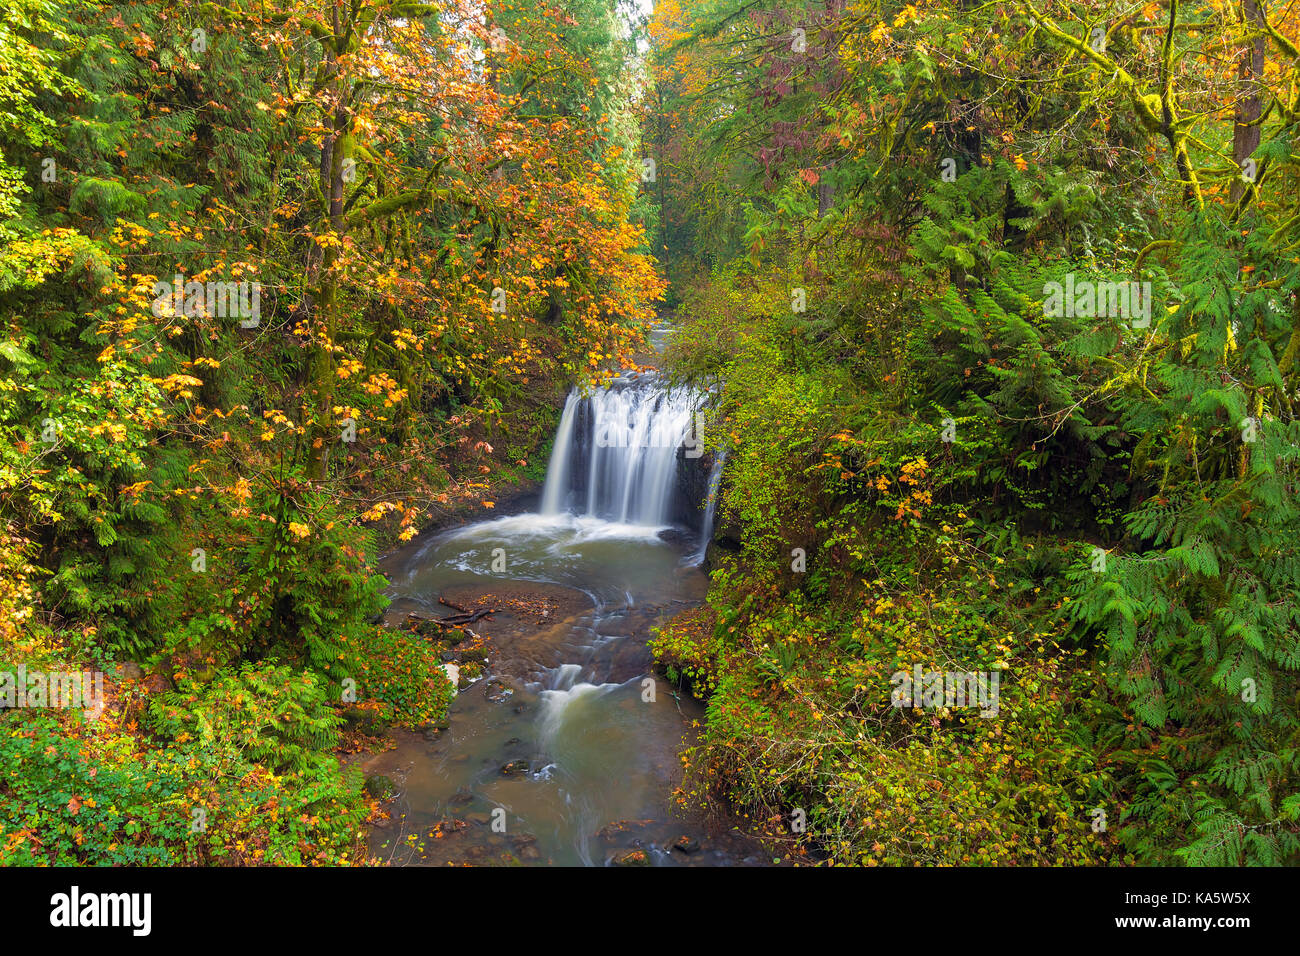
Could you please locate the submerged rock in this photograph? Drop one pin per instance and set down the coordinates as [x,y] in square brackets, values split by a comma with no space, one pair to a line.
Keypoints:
[433,730]
[677,536]
[380,787]
[686,844]
[526,846]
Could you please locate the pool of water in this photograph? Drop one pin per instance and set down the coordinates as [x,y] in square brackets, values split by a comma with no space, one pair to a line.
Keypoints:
[567,751]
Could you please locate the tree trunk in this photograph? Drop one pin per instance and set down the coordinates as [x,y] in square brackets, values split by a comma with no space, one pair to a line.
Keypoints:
[1246,126]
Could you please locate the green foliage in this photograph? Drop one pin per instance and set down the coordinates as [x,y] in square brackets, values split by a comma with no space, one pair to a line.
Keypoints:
[128,806]
[1113,497]
[177,488]
[1200,613]
[398,669]
[801,717]
[236,775]
[262,713]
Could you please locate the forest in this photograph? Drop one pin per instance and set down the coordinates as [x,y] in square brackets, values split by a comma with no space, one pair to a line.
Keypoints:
[985,317]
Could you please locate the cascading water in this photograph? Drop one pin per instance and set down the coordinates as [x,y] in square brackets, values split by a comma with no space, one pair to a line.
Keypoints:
[586,748]
[617,452]
[557,470]
[710,508]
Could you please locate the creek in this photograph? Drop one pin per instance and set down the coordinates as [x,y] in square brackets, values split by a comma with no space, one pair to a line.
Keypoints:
[567,751]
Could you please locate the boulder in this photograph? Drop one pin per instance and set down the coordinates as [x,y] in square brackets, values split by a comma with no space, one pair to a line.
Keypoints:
[631,858]
[686,844]
[453,674]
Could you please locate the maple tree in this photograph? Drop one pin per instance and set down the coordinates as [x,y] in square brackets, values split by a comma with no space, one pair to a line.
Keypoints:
[301,276]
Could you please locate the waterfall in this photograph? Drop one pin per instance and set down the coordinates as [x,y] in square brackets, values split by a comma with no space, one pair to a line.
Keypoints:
[616,452]
[557,470]
[706,529]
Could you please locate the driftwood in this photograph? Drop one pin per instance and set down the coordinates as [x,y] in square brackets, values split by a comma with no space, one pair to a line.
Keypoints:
[445,603]
[452,620]
[459,620]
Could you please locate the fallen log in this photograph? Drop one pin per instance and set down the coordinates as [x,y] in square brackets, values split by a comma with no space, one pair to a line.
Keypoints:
[453,620]
[470,618]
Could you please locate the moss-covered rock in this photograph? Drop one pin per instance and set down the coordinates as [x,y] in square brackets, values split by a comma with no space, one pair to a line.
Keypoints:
[380,786]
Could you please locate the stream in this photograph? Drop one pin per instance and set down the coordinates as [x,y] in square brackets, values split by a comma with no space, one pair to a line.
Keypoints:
[567,751]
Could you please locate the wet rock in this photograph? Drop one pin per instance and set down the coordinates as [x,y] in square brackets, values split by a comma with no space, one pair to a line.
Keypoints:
[433,729]
[424,626]
[512,741]
[380,787]
[498,692]
[157,683]
[686,844]
[129,671]
[461,796]
[526,846]
[631,858]
[479,819]
[427,627]
[677,536]
[691,490]
[515,767]
[363,721]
